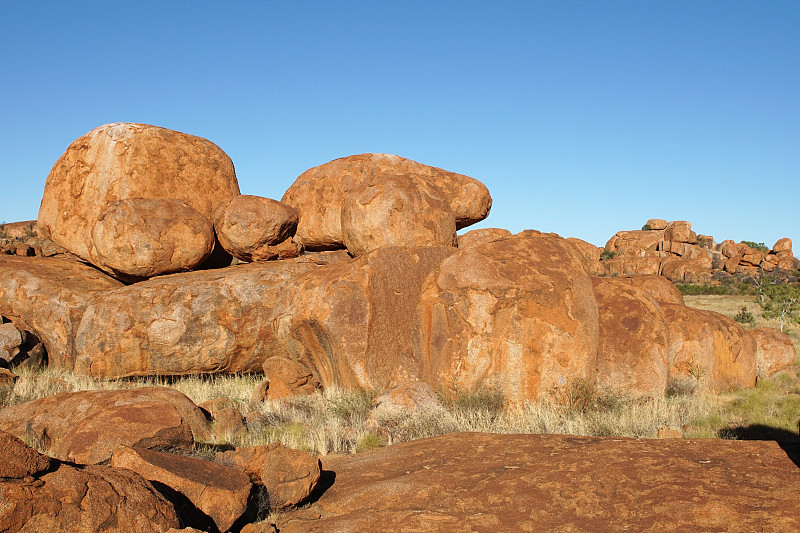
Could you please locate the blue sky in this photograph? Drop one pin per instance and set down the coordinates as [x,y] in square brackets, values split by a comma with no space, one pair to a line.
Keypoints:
[582,118]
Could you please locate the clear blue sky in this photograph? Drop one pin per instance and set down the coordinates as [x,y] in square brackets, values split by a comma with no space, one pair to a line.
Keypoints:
[582,118]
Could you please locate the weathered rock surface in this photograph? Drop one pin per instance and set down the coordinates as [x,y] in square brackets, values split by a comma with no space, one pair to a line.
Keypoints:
[42,495]
[634,351]
[217,491]
[680,231]
[86,426]
[48,297]
[287,377]
[657,223]
[591,255]
[246,223]
[227,419]
[619,266]
[774,350]
[480,236]
[289,476]
[196,322]
[139,238]
[396,210]
[352,323]
[120,161]
[517,314]
[317,194]
[408,397]
[710,349]
[679,269]
[660,288]
[10,341]
[482,482]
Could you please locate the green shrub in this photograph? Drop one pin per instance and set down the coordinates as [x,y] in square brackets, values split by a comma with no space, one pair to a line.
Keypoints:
[368,441]
[646,227]
[697,289]
[756,245]
[607,254]
[744,316]
[3,231]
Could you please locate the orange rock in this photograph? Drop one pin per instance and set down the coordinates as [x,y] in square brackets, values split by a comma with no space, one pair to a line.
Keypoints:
[486,482]
[482,236]
[120,161]
[517,314]
[288,249]
[783,245]
[218,491]
[139,238]
[728,248]
[289,476]
[633,354]
[85,426]
[678,269]
[788,263]
[657,223]
[48,297]
[638,243]
[658,287]
[632,265]
[288,378]
[680,231]
[20,460]
[408,397]
[591,255]
[396,210]
[318,192]
[774,350]
[227,418]
[246,223]
[710,349]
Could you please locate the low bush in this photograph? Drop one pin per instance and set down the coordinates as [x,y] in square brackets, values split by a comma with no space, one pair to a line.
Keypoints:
[607,254]
[744,316]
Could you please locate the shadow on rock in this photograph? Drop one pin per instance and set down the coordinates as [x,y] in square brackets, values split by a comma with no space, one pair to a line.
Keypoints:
[789,441]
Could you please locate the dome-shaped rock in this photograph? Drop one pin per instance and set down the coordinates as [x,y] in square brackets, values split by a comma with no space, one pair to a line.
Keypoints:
[140,238]
[396,211]
[120,161]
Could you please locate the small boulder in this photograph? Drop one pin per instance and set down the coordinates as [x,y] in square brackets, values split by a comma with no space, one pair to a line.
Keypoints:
[657,223]
[246,223]
[680,231]
[227,419]
[10,341]
[288,475]
[288,249]
[218,491]
[287,377]
[139,238]
[783,246]
[774,350]
[20,460]
[408,397]
[396,210]
[86,426]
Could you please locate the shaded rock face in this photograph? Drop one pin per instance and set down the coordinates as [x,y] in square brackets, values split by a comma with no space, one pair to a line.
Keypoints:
[219,492]
[633,354]
[317,194]
[774,350]
[658,287]
[43,495]
[48,297]
[289,476]
[119,161]
[396,210]
[710,349]
[352,323]
[139,238]
[86,426]
[486,482]
[517,314]
[197,322]
[246,223]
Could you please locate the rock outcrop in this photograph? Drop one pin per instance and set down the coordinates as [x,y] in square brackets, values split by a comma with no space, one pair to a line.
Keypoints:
[246,224]
[139,238]
[120,161]
[517,314]
[318,193]
[774,350]
[487,482]
[85,427]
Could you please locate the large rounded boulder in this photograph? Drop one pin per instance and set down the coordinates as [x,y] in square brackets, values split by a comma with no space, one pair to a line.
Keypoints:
[709,350]
[774,350]
[517,314]
[119,161]
[139,238]
[318,193]
[396,211]
[633,355]
[245,224]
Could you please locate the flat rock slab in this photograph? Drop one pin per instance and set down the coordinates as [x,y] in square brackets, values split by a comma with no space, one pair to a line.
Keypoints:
[482,482]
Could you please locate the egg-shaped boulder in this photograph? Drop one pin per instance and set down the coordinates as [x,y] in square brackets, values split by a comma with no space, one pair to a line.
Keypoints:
[246,223]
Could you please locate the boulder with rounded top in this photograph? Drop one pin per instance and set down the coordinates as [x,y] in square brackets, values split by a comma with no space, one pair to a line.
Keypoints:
[774,350]
[246,223]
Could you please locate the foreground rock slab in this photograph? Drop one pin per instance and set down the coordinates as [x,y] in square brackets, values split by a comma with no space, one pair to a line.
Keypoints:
[42,495]
[86,426]
[482,482]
